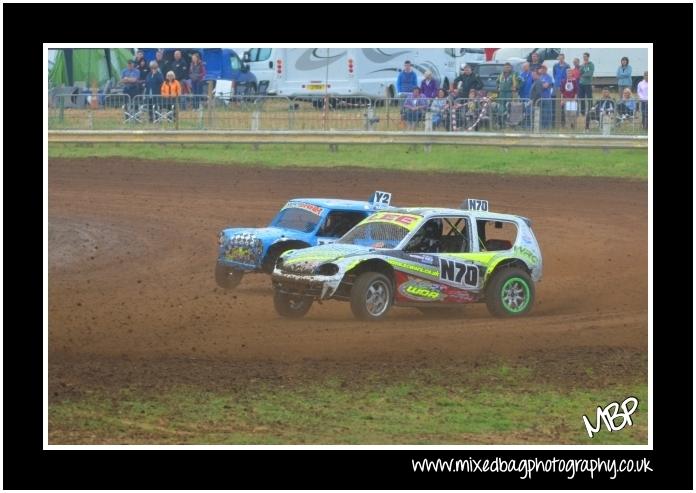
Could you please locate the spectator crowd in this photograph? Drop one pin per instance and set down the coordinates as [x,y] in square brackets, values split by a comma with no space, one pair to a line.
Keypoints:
[162,81]
[565,93]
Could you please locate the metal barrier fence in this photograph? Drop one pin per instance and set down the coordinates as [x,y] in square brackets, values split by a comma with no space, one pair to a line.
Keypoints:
[595,116]
[333,113]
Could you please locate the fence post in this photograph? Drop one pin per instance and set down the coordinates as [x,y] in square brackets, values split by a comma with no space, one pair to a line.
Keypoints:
[255,115]
[177,114]
[369,118]
[537,116]
[291,114]
[210,105]
[606,123]
[61,109]
[428,128]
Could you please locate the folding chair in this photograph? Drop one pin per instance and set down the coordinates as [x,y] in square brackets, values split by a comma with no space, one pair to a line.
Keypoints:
[134,113]
[164,113]
[515,116]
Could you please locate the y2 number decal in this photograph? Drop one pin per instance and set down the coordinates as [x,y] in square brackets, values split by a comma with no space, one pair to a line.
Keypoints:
[381,198]
[458,272]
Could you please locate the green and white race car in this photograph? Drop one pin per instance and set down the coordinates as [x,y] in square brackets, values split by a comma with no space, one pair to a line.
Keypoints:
[428,258]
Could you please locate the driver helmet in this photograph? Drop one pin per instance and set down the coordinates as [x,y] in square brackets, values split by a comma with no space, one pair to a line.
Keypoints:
[431,230]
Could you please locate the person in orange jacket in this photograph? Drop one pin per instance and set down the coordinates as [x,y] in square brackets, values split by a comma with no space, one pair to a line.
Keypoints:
[171,90]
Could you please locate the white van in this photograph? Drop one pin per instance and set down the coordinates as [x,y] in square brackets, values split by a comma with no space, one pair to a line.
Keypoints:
[261,63]
[606,60]
[360,72]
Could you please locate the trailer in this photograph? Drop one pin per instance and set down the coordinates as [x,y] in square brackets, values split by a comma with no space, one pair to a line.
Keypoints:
[351,72]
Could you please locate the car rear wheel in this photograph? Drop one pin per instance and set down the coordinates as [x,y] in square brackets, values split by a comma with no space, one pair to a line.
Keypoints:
[291,305]
[510,293]
[371,296]
[227,277]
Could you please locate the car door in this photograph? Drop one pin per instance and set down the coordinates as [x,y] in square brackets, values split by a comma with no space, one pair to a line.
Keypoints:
[446,243]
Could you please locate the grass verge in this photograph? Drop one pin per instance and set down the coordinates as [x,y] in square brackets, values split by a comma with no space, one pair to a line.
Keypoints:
[624,163]
[494,405]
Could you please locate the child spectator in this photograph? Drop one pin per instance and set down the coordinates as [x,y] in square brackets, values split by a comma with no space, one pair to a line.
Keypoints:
[471,110]
[438,108]
[569,93]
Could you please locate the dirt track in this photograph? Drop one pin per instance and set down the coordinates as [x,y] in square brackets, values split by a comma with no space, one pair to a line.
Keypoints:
[132,299]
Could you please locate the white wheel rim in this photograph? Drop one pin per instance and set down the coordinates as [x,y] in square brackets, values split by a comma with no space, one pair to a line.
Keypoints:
[377,298]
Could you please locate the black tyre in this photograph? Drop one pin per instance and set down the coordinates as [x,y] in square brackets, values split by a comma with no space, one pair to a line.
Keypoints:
[271,258]
[510,293]
[291,306]
[371,297]
[227,277]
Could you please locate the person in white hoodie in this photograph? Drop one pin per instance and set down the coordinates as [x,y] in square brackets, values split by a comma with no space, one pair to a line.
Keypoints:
[643,96]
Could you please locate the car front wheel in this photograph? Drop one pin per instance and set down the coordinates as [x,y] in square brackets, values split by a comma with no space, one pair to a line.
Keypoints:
[291,305]
[371,296]
[510,293]
[227,277]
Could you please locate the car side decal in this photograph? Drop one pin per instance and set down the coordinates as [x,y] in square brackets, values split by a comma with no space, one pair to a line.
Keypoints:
[459,272]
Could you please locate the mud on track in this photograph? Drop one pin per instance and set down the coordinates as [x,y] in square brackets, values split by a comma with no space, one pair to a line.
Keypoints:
[132,299]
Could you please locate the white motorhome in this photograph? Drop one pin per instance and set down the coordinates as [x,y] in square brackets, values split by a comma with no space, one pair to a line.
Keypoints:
[606,60]
[360,72]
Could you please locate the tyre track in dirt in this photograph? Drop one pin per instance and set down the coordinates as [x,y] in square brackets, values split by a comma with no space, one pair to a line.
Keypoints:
[132,246]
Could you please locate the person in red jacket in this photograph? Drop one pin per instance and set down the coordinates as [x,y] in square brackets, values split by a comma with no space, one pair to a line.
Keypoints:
[569,103]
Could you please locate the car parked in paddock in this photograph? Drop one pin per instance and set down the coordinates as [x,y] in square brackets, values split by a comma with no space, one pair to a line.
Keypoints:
[300,223]
[428,258]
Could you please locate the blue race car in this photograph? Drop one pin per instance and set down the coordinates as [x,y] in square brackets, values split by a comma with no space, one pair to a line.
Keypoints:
[301,223]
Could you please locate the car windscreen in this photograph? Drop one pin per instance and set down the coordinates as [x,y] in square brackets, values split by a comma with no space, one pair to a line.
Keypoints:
[382,230]
[489,70]
[299,217]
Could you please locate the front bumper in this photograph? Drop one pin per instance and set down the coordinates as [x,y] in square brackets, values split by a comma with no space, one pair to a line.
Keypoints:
[319,287]
[234,264]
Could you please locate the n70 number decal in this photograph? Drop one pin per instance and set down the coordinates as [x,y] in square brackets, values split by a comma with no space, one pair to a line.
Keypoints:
[458,272]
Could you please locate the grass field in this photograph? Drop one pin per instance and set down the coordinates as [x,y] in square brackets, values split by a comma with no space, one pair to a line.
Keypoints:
[494,404]
[515,161]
